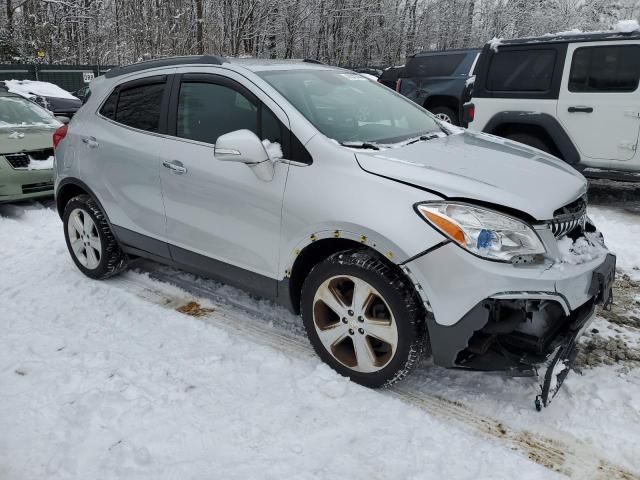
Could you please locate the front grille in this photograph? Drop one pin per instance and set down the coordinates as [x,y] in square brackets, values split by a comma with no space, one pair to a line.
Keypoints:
[18,160]
[569,217]
[22,160]
[37,187]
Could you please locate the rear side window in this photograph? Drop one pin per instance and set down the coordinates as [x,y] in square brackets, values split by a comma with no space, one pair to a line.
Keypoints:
[521,70]
[434,65]
[614,68]
[139,107]
[136,106]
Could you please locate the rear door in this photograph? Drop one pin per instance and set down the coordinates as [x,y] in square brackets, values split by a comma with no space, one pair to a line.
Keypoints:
[220,216]
[599,104]
[119,151]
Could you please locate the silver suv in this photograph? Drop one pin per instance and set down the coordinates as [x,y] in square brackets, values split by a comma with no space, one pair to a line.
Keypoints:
[391,232]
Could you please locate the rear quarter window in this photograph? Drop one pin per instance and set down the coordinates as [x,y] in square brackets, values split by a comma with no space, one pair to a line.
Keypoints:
[611,68]
[527,70]
[434,65]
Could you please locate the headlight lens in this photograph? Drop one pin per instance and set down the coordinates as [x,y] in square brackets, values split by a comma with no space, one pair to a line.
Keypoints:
[483,232]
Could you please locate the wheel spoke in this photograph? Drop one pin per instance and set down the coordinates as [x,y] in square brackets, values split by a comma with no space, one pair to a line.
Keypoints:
[361,296]
[383,331]
[76,223]
[88,225]
[365,355]
[92,258]
[331,300]
[94,242]
[333,335]
[77,246]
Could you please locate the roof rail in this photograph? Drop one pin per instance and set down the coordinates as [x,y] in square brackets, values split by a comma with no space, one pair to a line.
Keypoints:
[165,62]
[313,60]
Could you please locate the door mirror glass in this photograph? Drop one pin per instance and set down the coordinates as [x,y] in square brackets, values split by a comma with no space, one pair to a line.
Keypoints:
[244,146]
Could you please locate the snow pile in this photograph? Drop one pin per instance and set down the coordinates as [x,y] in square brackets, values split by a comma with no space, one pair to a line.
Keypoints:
[582,250]
[621,235]
[40,164]
[32,88]
[626,26]
[15,135]
[97,382]
[494,43]
[274,150]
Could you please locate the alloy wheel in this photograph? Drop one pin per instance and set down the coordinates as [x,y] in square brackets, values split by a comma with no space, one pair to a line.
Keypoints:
[355,324]
[84,239]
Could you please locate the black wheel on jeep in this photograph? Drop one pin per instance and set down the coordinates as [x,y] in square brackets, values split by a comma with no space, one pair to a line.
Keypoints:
[363,318]
[447,114]
[530,140]
[90,241]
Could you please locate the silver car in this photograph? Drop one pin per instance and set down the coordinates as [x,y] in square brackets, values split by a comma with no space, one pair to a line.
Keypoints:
[391,233]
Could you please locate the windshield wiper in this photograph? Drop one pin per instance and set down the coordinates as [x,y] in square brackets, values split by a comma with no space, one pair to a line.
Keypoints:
[367,145]
[423,138]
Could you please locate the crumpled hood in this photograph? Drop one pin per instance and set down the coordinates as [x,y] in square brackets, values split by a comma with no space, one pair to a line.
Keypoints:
[481,167]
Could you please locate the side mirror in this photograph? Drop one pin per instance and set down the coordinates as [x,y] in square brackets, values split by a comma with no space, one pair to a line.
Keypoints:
[244,146]
[63,119]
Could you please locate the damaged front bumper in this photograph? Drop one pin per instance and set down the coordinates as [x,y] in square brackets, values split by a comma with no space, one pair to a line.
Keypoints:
[523,320]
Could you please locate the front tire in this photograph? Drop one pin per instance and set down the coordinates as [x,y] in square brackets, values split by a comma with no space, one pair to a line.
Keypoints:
[363,318]
[93,247]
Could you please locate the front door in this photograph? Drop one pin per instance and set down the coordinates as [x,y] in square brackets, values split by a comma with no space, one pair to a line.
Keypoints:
[599,104]
[220,216]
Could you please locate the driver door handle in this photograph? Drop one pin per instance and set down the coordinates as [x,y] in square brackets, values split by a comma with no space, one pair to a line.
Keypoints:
[580,109]
[175,166]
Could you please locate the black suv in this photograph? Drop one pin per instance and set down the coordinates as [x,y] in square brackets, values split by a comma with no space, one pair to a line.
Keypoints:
[440,81]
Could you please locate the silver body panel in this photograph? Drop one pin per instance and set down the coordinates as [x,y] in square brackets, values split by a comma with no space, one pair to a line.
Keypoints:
[222,211]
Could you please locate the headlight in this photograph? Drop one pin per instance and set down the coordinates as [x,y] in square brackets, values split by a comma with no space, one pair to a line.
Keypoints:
[483,232]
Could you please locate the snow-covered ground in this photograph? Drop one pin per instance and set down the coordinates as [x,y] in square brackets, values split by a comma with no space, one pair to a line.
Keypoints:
[109,380]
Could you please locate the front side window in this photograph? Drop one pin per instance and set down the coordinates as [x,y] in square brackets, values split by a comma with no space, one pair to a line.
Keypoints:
[614,68]
[529,70]
[208,110]
[350,108]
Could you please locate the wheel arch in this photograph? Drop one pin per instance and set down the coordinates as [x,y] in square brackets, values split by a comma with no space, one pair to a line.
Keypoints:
[539,124]
[449,101]
[70,187]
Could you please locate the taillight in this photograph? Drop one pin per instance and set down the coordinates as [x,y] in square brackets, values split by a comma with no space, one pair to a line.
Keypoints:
[59,134]
[398,82]
[468,113]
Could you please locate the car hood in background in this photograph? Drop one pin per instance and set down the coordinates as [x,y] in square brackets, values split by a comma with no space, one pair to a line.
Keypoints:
[16,140]
[63,105]
[480,167]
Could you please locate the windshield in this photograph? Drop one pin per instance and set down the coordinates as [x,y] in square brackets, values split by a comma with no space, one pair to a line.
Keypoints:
[350,108]
[18,112]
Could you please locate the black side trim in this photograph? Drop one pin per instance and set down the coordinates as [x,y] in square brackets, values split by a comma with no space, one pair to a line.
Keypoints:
[165,62]
[426,252]
[141,243]
[543,120]
[229,274]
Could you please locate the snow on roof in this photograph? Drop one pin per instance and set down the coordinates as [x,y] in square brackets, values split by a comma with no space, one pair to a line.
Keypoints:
[626,26]
[32,88]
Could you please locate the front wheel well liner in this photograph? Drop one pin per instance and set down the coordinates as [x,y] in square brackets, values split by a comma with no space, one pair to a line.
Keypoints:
[315,253]
[65,193]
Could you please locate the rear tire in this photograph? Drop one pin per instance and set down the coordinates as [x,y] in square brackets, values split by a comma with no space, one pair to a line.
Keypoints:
[530,140]
[447,114]
[91,243]
[370,318]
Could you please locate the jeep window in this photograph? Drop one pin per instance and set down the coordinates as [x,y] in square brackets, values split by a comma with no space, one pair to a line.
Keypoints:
[434,65]
[137,106]
[614,68]
[348,108]
[529,70]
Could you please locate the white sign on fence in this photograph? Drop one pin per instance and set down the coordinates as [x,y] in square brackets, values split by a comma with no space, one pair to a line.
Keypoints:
[88,76]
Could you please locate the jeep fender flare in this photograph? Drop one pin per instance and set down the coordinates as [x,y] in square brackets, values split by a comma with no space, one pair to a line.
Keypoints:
[548,123]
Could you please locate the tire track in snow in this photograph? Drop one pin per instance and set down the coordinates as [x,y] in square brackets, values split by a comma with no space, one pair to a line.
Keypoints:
[568,456]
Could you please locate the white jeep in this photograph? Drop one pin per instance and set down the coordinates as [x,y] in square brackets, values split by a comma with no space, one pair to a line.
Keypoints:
[574,95]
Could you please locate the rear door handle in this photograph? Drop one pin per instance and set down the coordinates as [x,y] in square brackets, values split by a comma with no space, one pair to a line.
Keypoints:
[175,166]
[580,109]
[91,142]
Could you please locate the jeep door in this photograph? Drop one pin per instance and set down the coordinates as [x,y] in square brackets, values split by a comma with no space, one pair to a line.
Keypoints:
[599,103]
[220,216]
[119,150]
